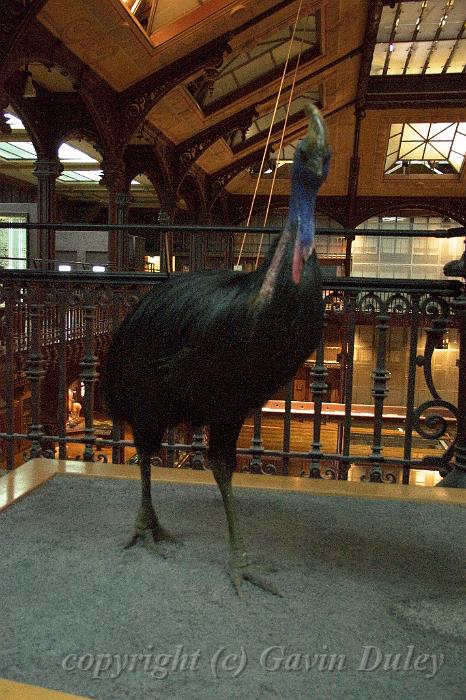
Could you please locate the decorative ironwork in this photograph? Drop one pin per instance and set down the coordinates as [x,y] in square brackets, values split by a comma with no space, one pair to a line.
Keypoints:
[434,425]
[319,391]
[380,375]
[68,325]
[257,446]
[155,461]
[89,373]
[35,373]
[199,447]
[137,101]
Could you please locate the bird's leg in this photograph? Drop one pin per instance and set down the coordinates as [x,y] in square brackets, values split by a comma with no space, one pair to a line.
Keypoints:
[241,568]
[147,525]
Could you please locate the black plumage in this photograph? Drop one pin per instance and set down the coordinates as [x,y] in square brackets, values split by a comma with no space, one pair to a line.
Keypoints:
[208,348]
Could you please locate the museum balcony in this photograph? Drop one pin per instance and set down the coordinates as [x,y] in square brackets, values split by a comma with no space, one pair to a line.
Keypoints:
[377,401]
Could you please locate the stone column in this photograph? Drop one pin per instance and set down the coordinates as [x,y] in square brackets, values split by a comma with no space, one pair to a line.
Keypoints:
[43,240]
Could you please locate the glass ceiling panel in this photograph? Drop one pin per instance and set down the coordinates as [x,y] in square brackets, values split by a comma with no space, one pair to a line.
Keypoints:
[153,14]
[17,150]
[261,125]
[268,54]
[69,154]
[442,144]
[81,176]
[424,37]
[24,150]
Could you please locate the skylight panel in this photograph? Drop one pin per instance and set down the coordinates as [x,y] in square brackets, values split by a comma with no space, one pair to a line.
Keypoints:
[69,154]
[438,148]
[80,176]
[14,122]
[421,38]
[17,150]
[269,54]
[24,150]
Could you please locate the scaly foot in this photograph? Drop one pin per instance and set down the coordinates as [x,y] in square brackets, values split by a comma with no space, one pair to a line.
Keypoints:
[148,529]
[241,569]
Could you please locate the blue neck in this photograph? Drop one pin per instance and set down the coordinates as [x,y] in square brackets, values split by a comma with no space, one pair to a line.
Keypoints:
[301,212]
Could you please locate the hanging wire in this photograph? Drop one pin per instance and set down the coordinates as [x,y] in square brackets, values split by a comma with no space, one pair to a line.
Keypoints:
[270,131]
[285,123]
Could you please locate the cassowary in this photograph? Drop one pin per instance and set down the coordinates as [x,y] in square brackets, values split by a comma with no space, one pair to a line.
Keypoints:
[209,348]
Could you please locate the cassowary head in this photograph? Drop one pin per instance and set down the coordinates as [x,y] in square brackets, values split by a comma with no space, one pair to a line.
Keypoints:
[310,168]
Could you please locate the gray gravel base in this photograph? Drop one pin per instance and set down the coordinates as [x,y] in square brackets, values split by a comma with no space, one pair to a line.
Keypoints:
[363,581]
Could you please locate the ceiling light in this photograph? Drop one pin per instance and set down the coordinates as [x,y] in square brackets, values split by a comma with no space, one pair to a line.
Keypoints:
[64,268]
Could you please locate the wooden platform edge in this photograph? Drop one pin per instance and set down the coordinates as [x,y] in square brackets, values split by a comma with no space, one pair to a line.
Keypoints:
[33,474]
[11,690]
[21,481]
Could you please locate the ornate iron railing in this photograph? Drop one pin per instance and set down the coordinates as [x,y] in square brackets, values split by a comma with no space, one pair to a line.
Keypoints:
[56,327]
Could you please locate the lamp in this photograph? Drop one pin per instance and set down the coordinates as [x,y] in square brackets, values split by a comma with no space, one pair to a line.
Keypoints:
[29,90]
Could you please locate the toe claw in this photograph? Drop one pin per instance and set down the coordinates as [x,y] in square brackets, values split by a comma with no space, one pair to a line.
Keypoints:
[244,571]
[151,537]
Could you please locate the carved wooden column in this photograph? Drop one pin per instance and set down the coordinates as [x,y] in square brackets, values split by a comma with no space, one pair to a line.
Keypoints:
[116,183]
[198,246]
[166,241]
[229,252]
[46,171]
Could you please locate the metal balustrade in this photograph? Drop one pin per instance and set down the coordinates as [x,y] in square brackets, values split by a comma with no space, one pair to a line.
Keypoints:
[51,321]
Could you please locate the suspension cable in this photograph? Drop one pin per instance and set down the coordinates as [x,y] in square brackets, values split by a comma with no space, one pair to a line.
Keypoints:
[270,131]
[285,123]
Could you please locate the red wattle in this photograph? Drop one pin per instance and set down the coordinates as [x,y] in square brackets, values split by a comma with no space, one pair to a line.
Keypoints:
[298,263]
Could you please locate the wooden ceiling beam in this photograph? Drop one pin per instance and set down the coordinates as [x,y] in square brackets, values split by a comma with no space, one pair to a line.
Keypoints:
[297,131]
[374,14]
[190,150]
[443,90]
[304,81]
[137,100]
